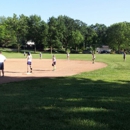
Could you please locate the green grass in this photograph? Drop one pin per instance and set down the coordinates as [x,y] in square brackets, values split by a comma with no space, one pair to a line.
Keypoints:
[97,100]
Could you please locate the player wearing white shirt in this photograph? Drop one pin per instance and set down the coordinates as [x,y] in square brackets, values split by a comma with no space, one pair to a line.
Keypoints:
[54,62]
[29,63]
[68,55]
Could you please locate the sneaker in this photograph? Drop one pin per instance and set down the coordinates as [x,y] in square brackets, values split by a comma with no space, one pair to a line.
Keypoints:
[31,70]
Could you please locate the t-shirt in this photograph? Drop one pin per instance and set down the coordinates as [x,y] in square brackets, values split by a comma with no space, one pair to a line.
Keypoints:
[2,58]
[29,58]
[54,59]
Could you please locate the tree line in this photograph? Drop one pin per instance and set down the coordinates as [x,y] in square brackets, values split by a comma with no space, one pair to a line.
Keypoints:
[61,32]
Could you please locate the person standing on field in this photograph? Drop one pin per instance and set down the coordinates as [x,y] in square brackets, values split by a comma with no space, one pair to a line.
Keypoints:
[68,55]
[124,55]
[54,62]
[2,60]
[40,55]
[29,63]
[93,57]
[24,54]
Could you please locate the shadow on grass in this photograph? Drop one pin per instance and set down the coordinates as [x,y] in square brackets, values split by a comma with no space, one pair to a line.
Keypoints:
[65,104]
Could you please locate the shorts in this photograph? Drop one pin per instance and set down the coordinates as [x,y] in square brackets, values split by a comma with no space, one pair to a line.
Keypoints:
[54,63]
[29,63]
[1,66]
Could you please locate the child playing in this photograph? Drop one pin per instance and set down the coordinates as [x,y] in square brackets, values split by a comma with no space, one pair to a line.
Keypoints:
[93,58]
[54,62]
[29,62]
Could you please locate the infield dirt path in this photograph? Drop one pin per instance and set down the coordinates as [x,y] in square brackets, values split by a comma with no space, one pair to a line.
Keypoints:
[15,69]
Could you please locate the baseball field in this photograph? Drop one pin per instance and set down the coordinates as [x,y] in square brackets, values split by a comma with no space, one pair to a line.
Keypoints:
[78,95]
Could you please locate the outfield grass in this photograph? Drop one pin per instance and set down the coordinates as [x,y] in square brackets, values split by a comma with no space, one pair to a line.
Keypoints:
[97,100]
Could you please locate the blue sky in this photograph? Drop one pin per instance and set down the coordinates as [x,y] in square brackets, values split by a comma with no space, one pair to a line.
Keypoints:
[105,12]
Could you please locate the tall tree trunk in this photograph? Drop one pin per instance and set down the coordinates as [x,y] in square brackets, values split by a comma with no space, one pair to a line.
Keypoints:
[51,49]
[76,48]
[18,47]
[35,49]
[118,48]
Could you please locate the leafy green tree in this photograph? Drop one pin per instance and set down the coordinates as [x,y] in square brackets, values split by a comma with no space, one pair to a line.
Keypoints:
[118,35]
[76,38]
[18,25]
[43,33]
[95,36]
[7,36]
[101,34]
[22,30]
[70,25]
[37,31]
[61,28]
[54,35]
[91,38]
[83,28]
[2,20]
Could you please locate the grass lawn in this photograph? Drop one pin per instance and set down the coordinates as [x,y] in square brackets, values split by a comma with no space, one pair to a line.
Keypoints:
[97,100]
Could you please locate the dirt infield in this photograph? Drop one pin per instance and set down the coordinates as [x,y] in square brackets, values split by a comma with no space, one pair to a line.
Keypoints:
[15,69]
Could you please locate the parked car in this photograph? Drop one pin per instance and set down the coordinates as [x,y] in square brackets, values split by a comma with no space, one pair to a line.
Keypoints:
[86,52]
[105,52]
